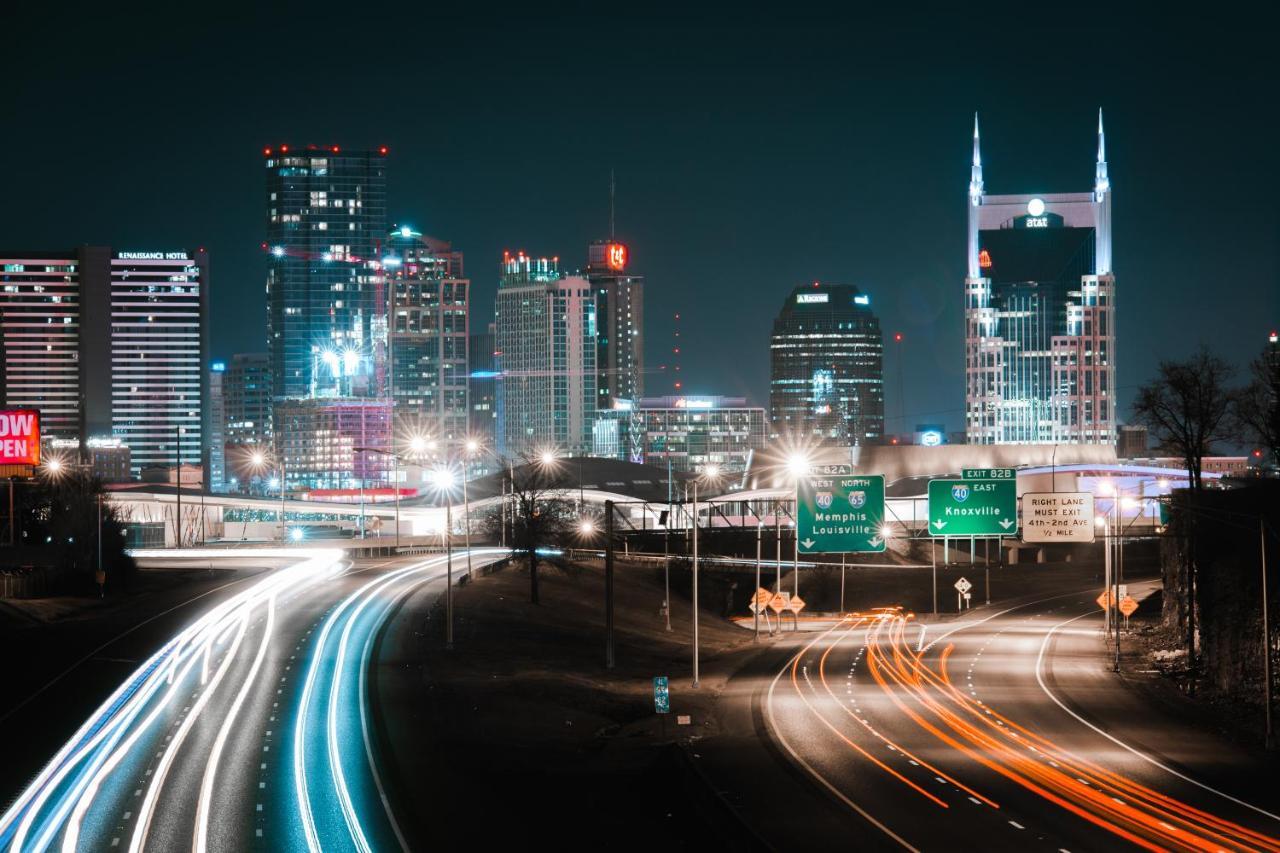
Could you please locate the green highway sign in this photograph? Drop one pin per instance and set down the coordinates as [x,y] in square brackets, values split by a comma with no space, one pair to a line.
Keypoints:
[974,506]
[840,513]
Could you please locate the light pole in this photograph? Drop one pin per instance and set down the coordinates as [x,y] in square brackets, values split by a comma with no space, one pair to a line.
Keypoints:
[444,484]
[471,447]
[759,529]
[799,465]
[711,473]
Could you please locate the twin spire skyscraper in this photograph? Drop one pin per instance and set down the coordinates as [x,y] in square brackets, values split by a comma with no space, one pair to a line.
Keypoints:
[1040,313]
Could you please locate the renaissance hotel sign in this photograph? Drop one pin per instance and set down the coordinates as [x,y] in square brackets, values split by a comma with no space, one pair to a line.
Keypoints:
[19,437]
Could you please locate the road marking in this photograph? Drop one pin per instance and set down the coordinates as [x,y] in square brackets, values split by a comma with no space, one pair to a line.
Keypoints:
[777,733]
[1040,680]
[1016,825]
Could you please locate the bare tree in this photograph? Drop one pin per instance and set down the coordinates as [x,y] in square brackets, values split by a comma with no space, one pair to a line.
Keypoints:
[542,512]
[1188,408]
[1258,407]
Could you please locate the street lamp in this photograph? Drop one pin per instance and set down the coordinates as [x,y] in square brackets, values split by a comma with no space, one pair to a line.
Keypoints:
[259,461]
[442,479]
[799,464]
[710,475]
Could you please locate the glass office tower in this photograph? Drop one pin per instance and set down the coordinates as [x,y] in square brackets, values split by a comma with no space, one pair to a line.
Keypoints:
[827,367]
[327,303]
[429,334]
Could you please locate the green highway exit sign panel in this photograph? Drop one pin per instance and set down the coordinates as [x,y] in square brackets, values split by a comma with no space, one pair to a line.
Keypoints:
[840,513]
[975,506]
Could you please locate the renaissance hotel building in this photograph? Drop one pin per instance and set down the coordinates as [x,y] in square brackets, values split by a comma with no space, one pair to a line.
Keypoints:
[1040,314]
[109,345]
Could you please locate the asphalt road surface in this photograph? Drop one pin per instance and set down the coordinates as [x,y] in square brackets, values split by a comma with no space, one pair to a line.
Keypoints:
[1002,731]
[248,729]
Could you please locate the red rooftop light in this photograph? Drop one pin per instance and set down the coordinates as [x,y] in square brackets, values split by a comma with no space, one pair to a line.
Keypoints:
[382,150]
[335,149]
[266,151]
[284,148]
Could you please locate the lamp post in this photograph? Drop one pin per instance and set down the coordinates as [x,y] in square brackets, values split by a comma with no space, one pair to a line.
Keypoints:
[443,478]
[711,474]
[799,465]
[471,446]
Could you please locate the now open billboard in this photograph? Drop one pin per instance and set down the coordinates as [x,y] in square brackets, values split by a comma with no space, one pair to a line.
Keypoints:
[19,437]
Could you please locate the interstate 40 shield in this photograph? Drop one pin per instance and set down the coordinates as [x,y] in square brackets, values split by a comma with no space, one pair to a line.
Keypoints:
[840,513]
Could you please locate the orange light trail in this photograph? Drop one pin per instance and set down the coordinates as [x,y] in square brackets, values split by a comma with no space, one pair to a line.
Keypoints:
[1152,820]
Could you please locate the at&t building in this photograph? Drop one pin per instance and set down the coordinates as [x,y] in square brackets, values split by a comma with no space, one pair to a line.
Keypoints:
[1040,314]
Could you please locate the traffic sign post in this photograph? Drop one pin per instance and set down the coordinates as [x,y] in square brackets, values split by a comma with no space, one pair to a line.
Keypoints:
[838,512]
[974,506]
[962,593]
[1057,517]
[661,695]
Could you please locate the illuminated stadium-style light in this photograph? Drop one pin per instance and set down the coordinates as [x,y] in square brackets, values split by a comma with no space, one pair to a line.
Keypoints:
[278,251]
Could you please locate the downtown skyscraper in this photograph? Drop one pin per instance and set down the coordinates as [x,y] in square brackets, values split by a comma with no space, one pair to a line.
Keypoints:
[545,326]
[1040,328]
[326,297]
[826,379]
[429,334]
[619,296]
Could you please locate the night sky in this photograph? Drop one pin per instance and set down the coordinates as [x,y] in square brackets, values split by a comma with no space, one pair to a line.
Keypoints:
[753,152]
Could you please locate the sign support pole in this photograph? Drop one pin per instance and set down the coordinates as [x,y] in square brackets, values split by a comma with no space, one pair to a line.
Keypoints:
[986,565]
[608,584]
[1266,633]
[933,559]
[842,583]
[758,606]
[696,682]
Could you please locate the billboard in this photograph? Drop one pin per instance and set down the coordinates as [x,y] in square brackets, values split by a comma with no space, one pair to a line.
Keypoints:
[19,437]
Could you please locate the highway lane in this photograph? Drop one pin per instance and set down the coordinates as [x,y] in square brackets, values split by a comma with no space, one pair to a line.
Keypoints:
[246,730]
[960,744]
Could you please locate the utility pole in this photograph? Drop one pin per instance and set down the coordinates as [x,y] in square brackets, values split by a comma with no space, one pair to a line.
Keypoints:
[695,584]
[177,431]
[608,585]
[466,516]
[666,550]
[448,590]
[759,525]
[933,560]
[842,556]
[1266,633]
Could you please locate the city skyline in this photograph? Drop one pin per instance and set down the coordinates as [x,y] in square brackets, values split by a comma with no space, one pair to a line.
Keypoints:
[817,153]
